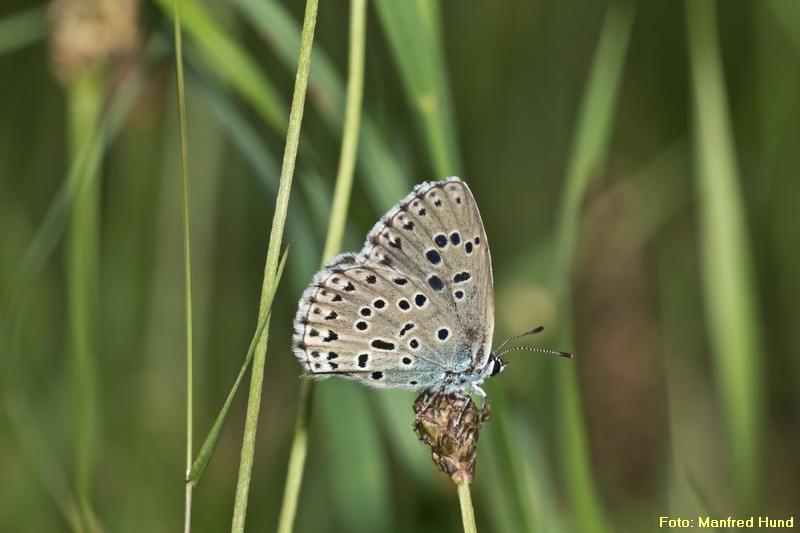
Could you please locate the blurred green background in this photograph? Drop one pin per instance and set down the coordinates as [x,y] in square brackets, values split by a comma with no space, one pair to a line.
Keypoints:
[640,200]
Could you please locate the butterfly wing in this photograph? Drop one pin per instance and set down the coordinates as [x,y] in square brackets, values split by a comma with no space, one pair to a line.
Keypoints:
[436,234]
[416,304]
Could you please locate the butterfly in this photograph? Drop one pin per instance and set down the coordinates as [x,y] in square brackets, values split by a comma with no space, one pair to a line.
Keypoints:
[415,308]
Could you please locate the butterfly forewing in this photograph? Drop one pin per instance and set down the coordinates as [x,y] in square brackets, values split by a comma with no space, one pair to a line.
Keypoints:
[437,234]
[416,303]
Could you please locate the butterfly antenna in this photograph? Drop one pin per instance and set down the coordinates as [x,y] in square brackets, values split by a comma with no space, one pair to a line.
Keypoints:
[531,332]
[543,350]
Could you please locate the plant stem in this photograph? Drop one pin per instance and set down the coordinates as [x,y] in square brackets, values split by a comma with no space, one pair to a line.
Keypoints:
[352,126]
[467,511]
[731,300]
[271,266]
[587,158]
[86,97]
[333,240]
[187,262]
[297,459]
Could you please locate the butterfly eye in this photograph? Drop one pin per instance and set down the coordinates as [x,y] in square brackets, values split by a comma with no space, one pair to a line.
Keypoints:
[497,366]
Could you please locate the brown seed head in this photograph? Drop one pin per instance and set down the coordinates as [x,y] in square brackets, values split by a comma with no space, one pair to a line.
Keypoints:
[449,424]
[87,35]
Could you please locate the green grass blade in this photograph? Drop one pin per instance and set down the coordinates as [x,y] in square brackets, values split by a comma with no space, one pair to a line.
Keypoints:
[524,473]
[786,15]
[83,167]
[86,96]
[336,228]
[22,29]
[380,171]
[266,170]
[729,292]
[297,459]
[230,61]
[91,131]
[413,30]
[593,131]
[186,219]
[383,175]
[586,161]
[187,261]
[212,439]
[271,267]
[352,127]
[536,474]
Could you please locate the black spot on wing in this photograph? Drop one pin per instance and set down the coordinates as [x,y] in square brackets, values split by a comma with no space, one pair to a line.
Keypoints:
[382,344]
[436,282]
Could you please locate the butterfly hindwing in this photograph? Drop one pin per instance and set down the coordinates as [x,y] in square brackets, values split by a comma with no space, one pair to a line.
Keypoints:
[364,323]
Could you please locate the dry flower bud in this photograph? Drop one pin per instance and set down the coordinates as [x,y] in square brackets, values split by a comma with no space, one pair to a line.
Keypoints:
[449,424]
[87,35]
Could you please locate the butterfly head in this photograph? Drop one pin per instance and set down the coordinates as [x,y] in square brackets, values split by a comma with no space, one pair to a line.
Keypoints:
[495,365]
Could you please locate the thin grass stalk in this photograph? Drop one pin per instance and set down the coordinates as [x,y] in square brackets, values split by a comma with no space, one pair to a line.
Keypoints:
[297,459]
[271,266]
[729,292]
[333,243]
[467,511]
[85,98]
[586,160]
[352,127]
[231,61]
[212,439]
[381,173]
[187,263]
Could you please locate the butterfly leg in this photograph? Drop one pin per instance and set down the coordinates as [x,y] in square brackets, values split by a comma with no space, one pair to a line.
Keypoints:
[480,392]
[428,397]
[464,408]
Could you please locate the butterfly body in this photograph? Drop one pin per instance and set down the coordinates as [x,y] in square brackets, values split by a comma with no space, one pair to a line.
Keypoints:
[415,308]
